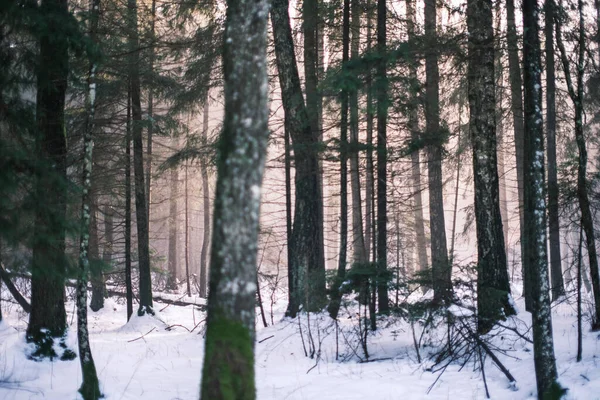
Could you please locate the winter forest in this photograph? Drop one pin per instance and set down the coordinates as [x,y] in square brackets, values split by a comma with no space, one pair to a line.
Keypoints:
[305,199]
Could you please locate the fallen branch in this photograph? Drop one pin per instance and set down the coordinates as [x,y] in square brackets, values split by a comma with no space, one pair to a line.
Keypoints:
[141,337]
[5,276]
[168,328]
[13,290]
[486,348]
[267,338]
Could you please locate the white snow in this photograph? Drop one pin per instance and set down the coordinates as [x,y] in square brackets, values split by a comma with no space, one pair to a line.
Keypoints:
[142,360]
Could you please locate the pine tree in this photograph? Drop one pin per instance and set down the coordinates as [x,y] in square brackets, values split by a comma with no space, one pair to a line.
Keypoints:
[48,316]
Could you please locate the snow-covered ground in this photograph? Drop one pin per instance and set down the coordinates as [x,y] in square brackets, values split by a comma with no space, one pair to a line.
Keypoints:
[142,360]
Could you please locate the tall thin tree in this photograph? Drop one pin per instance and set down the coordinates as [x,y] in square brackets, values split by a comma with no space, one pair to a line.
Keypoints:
[382,116]
[493,287]
[440,264]
[558,288]
[141,212]
[516,95]
[576,93]
[90,387]
[535,259]
[305,243]
[336,295]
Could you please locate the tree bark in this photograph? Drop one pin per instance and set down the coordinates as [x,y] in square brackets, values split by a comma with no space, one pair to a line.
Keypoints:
[97,278]
[173,227]
[305,245]
[370,174]
[576,93]
[440,265]
[382,114]
[358,238]
[336,296]
[415,157]
[228,372]
[493,288]
[205,204]
[152,57]
[514,71]
[558,288]
[141,211]
[535,260]
[48,317]
[90,387]
[128,283]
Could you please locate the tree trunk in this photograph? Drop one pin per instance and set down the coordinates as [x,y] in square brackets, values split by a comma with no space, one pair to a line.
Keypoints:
[382,113]
[141,212]
[369,178]
[187,234]
[440,265]
[576,92]
[535,259]
[415,158]
[48,317]
[334,304]
[500,127]
[90,387]
[108,235]
[150,109]
[205,205]
[306,244]
[493,288]
[173,227]
[128,283]
[228,372]
[558,288]
[514,71]
[0,281]
[358,239]
[97,278]
[315,298]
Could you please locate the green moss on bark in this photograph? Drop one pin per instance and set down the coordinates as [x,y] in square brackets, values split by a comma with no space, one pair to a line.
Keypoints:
[228,372]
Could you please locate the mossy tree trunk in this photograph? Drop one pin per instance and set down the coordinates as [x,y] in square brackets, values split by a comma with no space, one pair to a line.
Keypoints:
[228,372]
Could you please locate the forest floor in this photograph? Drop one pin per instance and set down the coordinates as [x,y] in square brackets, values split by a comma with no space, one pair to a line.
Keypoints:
[143,360]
